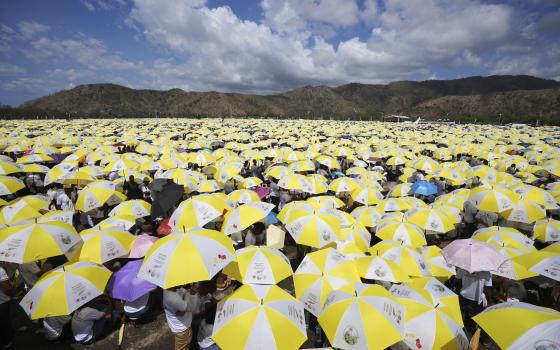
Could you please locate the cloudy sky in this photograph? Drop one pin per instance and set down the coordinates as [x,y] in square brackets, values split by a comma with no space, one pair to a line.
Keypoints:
[265,46]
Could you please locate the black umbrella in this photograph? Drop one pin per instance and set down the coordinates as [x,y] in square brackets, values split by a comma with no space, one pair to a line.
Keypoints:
[166,195]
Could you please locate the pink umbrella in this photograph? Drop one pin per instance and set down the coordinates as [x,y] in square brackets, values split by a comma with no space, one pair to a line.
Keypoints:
[473,255]
[141,245]
[262,191]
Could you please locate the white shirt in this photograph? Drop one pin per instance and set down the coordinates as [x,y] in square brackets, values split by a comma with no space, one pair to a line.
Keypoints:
[82,323]
[204,336]
[53,326]
[64,202]
[3,278]
[473,285]
[137,305]
[179,300]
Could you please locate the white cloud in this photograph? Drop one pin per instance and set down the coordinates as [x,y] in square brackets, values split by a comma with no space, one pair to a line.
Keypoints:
[30,30]
[7,69]
[214,49]
[88,5]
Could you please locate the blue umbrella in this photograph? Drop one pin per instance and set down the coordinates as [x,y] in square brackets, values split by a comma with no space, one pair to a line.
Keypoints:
[424,188]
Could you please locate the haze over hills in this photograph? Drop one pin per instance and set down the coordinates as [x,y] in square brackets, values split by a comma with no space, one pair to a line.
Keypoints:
[509,98]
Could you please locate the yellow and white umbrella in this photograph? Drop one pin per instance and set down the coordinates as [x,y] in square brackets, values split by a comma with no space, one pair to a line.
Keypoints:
[358,234]
[431,219]
[393,204]
[366,195]
[494,199]
[259,265]
[369,318]
[29,242]
[7,168]
[244,196]
[9,185]
[409,259]
[526,211]
[407,233]
[547,230]
[401,190]
[65,289]
[136,207]
[312,228]
[504,237]
[17,212]
[245,215]
[437,264]
[210,186]
[250,182]
[197,211]
[343,184]
[328,161]
[511,268]
[95,194]
[330,201]
[320,273]
[537,195]
[367,216]
[260,317]
[433,317]
[295,182]
[205,252]
[381,269]
[543,262]
[521,326]
[104,245]
[34,158]
[35,168]
[278,172]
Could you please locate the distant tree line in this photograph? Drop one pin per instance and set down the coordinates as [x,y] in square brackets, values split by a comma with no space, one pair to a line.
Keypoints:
[8,112]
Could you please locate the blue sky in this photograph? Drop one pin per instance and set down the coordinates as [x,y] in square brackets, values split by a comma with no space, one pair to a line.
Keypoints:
[267,46]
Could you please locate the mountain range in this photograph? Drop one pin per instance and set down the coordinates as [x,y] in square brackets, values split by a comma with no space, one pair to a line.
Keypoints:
[502,98]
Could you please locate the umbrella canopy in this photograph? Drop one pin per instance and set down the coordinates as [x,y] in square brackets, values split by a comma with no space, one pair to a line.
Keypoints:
[244,216]
[408,233]
[259,265]
[141,245]
[260,317]
[369,318]
[105,245]
[547,230]
[95,194]
[125,285]
[136,207]
[408,258]
[31,242]
[206,252]
[433,317]
[472,255]
[64,289]
[381,269]
[543,262]
[521,326]
[197,211]
[424,188]
[320,273]
[313,229]
[9,185]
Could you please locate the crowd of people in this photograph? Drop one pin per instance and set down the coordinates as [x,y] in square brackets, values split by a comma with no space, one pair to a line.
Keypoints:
[341,168]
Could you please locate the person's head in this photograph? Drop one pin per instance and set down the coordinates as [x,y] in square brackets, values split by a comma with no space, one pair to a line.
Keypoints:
[131,178]
[516,291]
[146,181]
[205,288]
[258,227]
